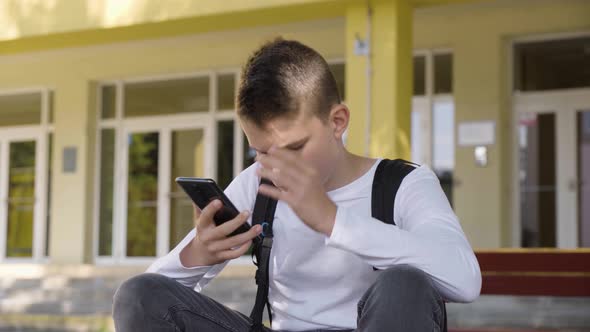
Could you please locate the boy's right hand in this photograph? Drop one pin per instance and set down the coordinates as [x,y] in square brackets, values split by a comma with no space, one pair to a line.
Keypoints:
[211,245]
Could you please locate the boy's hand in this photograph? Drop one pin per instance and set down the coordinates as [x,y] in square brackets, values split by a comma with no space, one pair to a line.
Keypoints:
[211,245]
[300,186]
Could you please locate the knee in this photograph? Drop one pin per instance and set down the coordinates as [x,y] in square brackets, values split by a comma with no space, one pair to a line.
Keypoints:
[407,280]
[136,290]
[402,296]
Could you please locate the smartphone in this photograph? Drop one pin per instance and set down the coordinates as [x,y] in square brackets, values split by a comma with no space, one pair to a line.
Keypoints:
[203,191]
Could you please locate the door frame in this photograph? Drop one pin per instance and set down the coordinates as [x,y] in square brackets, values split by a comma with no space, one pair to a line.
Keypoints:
[564,104]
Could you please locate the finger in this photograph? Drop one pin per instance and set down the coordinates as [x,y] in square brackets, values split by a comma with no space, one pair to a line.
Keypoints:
[279,178]
[206,217]
[196,212]
[236,240]
[290,158]
[270,162]
[234,253]
[290,168]
[272,192]
[282,153]
[223,230]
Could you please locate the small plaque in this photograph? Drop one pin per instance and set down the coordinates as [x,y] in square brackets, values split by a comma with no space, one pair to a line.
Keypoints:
[479,133]
[69,159]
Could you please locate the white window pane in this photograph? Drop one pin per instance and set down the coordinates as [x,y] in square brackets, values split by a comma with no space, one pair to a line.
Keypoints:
[416,138]
[142,195]
[443,134]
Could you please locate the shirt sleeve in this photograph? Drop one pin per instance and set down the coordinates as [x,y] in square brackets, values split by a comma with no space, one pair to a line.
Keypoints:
[242,192]
[427,235]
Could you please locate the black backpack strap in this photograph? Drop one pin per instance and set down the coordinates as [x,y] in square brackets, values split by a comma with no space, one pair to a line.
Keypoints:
[264,212]
[388,178]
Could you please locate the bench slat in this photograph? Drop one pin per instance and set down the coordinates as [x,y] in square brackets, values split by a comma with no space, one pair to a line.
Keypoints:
[535,261]
[536,272]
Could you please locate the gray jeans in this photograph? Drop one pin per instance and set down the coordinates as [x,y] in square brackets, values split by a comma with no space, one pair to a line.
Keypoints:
[402,299]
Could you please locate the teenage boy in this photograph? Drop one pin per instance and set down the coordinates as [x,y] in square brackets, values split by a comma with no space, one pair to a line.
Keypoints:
[333,266]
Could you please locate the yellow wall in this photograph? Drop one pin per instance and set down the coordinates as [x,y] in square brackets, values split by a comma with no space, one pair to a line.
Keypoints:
[41,17]
[68,24]
[21,19]
[72,73]
[479,35]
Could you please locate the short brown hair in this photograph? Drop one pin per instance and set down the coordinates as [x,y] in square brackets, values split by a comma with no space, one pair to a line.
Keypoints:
[280,77]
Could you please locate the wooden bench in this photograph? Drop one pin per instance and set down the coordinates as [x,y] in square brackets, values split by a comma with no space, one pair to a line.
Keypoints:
[533,272]
[541,272]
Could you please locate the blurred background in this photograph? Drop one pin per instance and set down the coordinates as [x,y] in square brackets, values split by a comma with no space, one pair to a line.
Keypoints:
[104,102]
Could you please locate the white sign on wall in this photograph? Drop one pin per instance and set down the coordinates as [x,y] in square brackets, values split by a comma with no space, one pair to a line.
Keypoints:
[476,133]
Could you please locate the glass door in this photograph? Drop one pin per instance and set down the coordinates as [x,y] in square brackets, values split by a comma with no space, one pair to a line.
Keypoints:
[188,155]
[155,214]
[141,199]
[582,185]
[553,174]
[537,175]
[19,177]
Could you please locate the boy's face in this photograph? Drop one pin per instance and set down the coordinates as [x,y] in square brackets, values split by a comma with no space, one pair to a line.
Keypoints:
[314,142]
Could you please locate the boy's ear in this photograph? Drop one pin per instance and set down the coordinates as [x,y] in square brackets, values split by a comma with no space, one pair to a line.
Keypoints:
[339,117]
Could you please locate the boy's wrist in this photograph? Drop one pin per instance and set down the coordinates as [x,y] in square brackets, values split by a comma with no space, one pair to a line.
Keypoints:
[189,257]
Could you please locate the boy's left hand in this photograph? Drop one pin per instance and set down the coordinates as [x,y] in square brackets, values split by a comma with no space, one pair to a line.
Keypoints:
[300,186]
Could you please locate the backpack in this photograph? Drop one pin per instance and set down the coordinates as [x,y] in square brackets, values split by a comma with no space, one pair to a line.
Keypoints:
[386,182]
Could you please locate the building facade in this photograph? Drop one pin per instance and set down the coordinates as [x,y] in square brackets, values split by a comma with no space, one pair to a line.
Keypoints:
[103,103]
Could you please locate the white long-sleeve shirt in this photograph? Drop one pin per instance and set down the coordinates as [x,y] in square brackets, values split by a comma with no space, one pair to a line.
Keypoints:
[316,281]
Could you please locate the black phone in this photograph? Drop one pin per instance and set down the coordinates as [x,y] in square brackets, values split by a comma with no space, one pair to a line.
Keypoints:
[203,191]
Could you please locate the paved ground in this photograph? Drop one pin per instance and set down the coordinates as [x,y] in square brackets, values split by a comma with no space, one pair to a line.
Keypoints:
[87,296]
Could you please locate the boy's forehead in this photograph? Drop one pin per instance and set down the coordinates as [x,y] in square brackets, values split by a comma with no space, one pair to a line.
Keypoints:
[280,131]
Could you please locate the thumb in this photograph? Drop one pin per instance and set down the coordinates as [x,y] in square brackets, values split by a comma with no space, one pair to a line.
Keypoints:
[196,211]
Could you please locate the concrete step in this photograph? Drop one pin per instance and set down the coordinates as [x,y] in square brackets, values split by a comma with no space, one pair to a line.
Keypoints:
[61,296]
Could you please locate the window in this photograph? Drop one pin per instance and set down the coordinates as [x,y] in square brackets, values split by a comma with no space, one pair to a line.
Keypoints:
[226,91]
[48,209]
[151,132]
[108,102]
[339,72]
[20,109]
[142,193]
[433,115]
[419,75]
[167,97]
[188,147]
[225,154]
[443,73]
[549,65]
[106,199]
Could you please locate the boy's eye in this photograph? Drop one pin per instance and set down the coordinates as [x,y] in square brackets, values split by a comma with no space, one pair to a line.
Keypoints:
[297,148]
